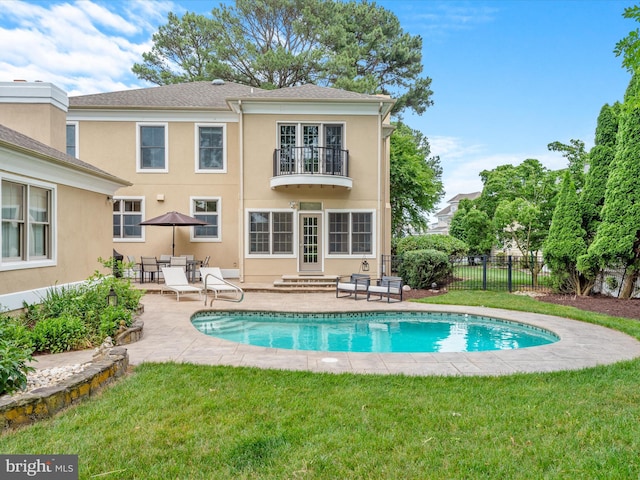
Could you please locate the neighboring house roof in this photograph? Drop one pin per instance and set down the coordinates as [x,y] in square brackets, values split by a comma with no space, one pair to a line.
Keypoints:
[17,141]
[460,196]
[445,211]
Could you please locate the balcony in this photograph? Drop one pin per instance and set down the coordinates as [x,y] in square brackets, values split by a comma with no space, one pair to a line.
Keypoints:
[311,166]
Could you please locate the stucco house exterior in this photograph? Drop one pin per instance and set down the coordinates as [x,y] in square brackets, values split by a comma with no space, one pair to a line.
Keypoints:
[293,182]
[56,209]
[444,216]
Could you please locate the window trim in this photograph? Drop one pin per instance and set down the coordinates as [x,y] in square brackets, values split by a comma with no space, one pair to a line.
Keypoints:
[139,168]
[76,126]
[142,214]
[53,222]
[192,212]
[294,234]
[328,213]
[197,148]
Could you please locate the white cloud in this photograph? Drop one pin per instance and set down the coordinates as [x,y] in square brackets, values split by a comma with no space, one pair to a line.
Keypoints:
[83,47]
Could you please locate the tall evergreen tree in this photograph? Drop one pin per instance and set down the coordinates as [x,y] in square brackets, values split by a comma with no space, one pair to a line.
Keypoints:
[566,241]
[600,159]
[617,240]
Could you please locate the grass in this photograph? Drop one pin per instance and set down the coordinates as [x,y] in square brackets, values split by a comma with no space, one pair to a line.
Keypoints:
[496,279]
[180,421]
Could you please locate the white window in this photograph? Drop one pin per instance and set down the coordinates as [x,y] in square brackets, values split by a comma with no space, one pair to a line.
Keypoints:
[271,233]
[207,209]
[27,221]
[72,139]
[152,149]
[127,215]
[350,233]
[311,148]
[211,148]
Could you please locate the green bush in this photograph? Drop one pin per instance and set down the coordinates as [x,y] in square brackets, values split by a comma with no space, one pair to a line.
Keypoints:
[14,359]
[59,334]
[421,268]
[111,318]
[442,243]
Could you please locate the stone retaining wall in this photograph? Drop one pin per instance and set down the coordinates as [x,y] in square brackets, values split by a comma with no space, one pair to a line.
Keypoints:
[23,409]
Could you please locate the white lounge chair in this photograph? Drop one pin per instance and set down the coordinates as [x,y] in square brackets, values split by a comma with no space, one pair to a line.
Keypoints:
[213,281]
[175,280]
[352,284]
[386,287]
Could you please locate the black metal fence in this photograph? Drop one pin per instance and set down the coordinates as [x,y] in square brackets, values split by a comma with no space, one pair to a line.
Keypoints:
[483,272]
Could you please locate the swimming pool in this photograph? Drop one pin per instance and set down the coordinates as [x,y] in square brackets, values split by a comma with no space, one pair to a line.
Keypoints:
[373,332]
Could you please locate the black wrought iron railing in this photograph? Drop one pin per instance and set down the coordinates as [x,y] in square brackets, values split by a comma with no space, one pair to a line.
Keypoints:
[483,272]
[311,161]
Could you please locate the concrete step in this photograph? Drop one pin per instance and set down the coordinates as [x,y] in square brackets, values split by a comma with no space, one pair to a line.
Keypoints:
[306,281]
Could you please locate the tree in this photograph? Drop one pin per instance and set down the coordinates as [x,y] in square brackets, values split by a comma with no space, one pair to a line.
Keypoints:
[565,242]
[600,159]
[416,186]
[357,46]
[520,200]
[474,227]
[577,157]
[617,239]
[629,46]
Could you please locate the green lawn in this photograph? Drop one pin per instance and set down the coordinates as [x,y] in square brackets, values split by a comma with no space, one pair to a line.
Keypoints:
[471,277]
[195,422]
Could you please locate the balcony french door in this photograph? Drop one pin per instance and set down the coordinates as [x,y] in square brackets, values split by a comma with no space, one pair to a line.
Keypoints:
[310,255]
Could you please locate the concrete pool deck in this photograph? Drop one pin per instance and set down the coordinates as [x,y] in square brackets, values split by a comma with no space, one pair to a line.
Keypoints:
[169,336]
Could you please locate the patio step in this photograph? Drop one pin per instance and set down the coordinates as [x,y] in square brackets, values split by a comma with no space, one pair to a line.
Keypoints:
[306,281]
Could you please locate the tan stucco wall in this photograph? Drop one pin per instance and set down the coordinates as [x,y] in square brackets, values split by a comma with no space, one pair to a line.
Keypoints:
[43,122]
[111,145]
[83,234]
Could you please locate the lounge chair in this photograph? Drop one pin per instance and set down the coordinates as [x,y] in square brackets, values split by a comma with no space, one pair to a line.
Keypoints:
[352,284]
[175,280]
[386,287]
[213,281]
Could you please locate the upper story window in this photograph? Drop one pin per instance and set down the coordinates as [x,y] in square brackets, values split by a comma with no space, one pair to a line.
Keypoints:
[27,221]
[211,155]
[152,148]
[350,233]
[310,148]
[72,139]
[127,215]
[207,209]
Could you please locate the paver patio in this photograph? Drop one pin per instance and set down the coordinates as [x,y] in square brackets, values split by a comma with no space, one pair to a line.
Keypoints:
[169,336]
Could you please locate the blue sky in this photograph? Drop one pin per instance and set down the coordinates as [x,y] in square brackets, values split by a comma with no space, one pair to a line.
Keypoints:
[509,76]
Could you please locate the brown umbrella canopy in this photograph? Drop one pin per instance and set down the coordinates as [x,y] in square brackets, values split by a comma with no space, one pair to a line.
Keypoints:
[173,219]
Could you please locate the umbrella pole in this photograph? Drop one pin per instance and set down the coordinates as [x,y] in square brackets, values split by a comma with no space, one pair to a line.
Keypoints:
[173,242]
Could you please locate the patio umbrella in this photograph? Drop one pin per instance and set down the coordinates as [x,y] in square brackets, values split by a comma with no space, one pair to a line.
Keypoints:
[173,219]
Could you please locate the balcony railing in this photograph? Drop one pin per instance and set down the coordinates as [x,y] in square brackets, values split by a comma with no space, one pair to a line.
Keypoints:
[311,161]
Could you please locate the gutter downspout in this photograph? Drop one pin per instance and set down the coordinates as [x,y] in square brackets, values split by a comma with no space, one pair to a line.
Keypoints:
[380,200]
[241,209]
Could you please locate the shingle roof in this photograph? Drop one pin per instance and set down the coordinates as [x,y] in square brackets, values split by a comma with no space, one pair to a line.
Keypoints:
[180,95]
[210,95]
[12,139]
[460,196]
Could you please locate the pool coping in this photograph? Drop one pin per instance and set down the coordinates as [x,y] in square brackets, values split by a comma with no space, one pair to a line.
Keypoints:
[170,336]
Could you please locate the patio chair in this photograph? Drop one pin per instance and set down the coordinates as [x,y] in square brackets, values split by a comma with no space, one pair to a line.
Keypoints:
[175,280]
[133,268]
[352,284]
[149,266]
[213,281]
[197,274]
[178,262]
[387,286]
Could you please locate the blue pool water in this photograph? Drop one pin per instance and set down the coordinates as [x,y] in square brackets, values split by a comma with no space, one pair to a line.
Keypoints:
[375,332]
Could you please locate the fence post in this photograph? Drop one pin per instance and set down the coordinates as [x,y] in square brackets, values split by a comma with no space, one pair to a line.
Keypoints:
[484,272]
[509,271]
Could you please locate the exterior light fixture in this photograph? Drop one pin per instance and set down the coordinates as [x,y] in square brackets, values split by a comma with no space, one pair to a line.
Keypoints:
[365,266]
[112,298]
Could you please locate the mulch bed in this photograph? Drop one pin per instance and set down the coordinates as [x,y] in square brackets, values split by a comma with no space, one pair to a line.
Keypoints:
[595,303]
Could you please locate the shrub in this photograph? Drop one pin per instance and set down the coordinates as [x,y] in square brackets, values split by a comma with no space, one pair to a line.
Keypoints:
[111,318]
[59,334]
[442,243]
[421,268]
[14,359]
